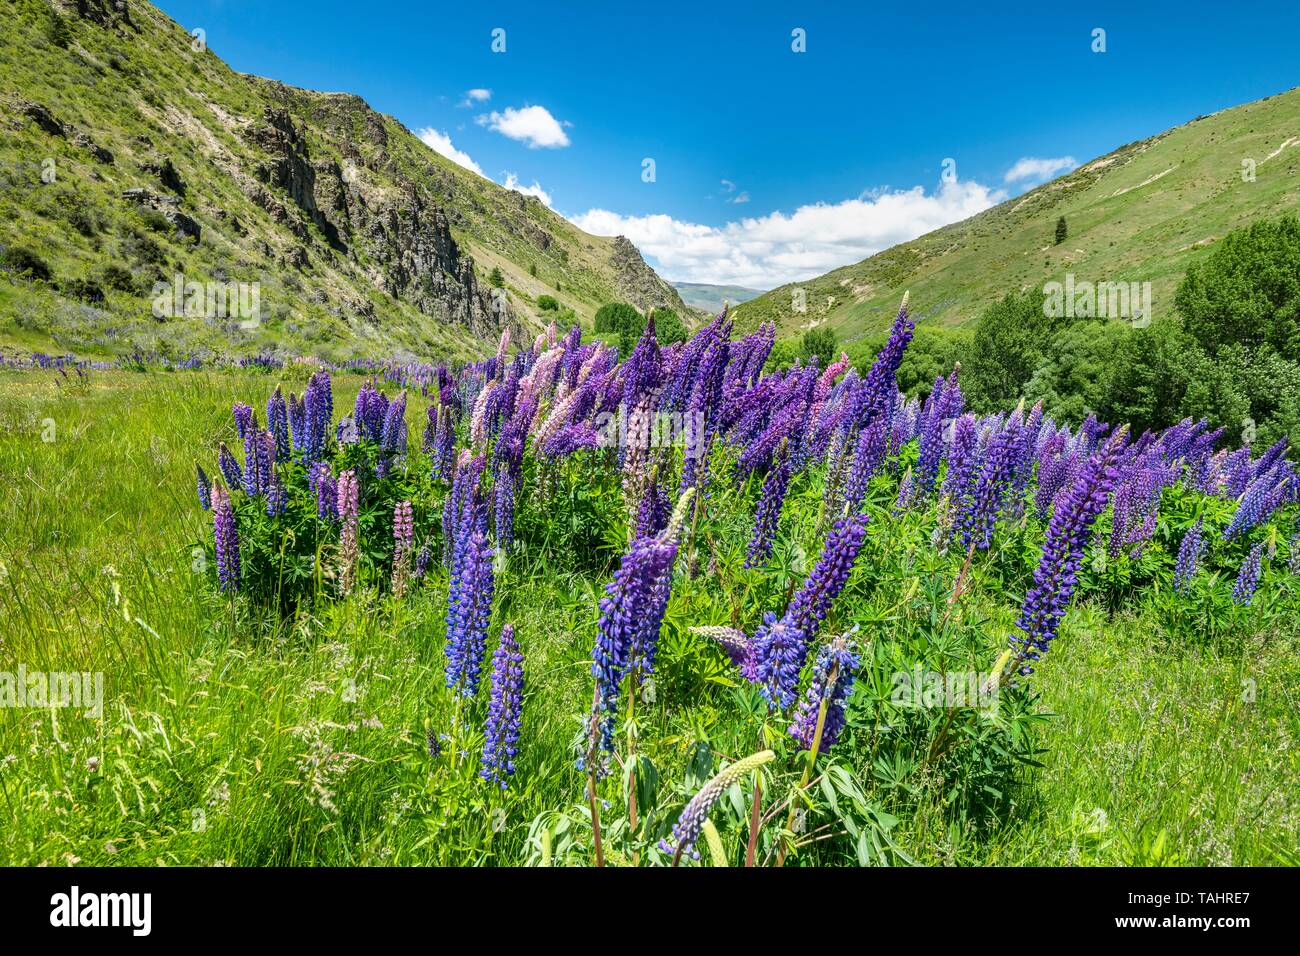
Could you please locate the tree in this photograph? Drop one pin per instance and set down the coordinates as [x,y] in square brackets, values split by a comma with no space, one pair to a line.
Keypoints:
[496,280]
[613,317]
[1061,230]
[1010,342]
[548,303]
[819,342]
[668,327]
[1247,291]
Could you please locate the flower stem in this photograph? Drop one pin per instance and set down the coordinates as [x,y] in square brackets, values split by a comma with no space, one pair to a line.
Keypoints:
[812,754]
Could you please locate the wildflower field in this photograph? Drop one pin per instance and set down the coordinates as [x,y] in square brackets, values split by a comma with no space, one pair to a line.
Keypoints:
[553,608]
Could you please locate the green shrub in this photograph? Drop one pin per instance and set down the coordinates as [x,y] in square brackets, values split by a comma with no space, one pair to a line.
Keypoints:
[23,262]
[548,303]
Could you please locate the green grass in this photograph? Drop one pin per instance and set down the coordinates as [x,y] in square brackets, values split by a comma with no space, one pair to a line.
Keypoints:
[228,737]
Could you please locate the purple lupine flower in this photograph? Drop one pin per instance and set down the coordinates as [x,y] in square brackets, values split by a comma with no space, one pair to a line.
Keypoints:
[422,561]
[297,412]
[469,607]
[768,514]
[626,614]
[1068,535]
[230,467]
[1259,500]
[1189,556]
[979,512]
[252,468]
[204,488]
[349,501]
[275,496]
[653,511]
[867,458]
[963,459]
[837,659]
[327,495]
[501,732]
[779,647]
[393,435]
[572,438]
[689,826]
[1243,592]
[880,389]
[245,419]
[318,402]
[226,538]
[277,421]
[731,640]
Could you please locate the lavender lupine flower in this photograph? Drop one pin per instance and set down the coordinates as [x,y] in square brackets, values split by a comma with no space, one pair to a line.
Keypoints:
[880,390]
[501,731]
[626,614]
[963,459]
[297,412]
[837,659]
[327,495]
[403,542]
[689,826]
[979,513]
[653,511]
[1068,535]
[245,420]
[230,467]
[422,561]
[572,438]
[906,490]
[204,488]
[350,544]
[1243,592]
[469,607]
[731,640]
[1189,556]
[277,421]
[768,514]
[252,468]
[1259,500]
[226,538]
[318,401]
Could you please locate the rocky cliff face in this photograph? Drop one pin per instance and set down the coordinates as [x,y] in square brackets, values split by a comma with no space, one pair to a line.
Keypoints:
[638,283]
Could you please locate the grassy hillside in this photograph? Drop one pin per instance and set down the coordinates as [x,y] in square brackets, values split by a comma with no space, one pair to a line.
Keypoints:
[130,154]
[1141,213]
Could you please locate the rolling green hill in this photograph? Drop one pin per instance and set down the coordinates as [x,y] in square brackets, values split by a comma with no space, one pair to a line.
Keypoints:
[131,155]
[711,298]
[1141,213]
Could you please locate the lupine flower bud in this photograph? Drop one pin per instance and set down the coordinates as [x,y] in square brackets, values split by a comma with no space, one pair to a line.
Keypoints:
[687,829]
[1189,555]
[204,489]
[501,732]
[226,538]
[1243,592]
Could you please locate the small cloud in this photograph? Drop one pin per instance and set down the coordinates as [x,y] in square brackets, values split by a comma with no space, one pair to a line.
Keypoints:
[440,143]
[535,189]
[533,125]
[1034,168]
[728,186]
[739,198]
[476,95]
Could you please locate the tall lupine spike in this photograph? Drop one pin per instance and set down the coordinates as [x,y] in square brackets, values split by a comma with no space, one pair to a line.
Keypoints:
[501,732]
[832,682]
[1243,591]
[627,615]
[767,516]
[403,542]
[1189,556]
[689,826]
[906,490]
[252,469]
[277,420]
[393,435]
[204,488]
[1068,535]
[350,542]
[230,469]
[226,539]
[867,458]
[731,640]
[276,498]
[979,512]
[245,419]
[878,394]
[469,609]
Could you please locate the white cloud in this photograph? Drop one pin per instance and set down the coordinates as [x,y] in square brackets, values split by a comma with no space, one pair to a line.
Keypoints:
[440,142]
[535,189]
[476,95]
[1034,168]
[728,186]
[533,125]
[771,250]
[740,197]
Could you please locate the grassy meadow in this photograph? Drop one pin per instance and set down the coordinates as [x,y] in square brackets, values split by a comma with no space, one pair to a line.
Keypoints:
[230,736]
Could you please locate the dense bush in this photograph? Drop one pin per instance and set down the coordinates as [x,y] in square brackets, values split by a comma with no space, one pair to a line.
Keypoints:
[23,262]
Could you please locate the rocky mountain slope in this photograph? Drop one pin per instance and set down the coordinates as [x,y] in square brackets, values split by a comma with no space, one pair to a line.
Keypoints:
[1142,213]
[133,161]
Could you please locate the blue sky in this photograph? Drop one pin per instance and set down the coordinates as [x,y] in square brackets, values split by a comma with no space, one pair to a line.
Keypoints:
[770,165]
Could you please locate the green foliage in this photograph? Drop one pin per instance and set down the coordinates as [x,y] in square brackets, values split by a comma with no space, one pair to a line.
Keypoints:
[820,342]
[1010,342]
[548,303]
[22,262]
[1061,230]
[614,317]
[495,279]
[1247,292]
[783,355]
